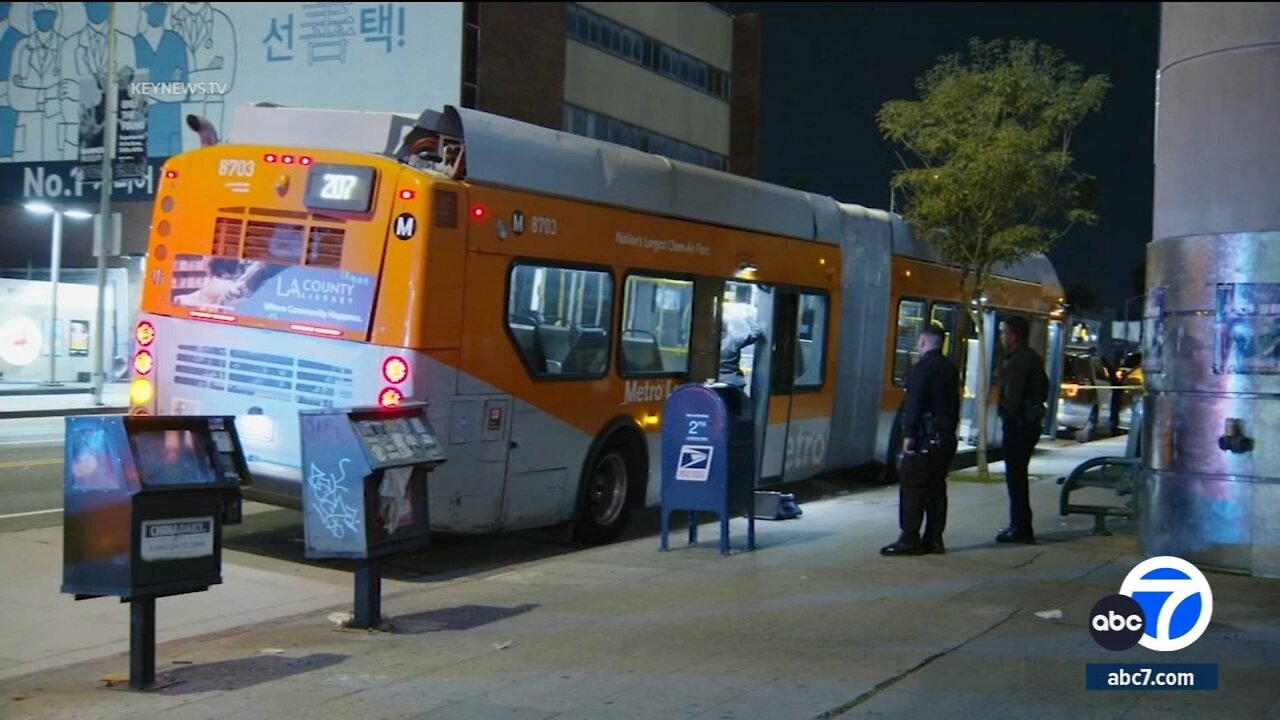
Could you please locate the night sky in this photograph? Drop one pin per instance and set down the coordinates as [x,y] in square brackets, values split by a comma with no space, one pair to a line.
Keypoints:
[827,69]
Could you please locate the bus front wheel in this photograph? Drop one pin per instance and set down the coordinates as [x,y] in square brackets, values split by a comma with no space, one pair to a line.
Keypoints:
[614,478]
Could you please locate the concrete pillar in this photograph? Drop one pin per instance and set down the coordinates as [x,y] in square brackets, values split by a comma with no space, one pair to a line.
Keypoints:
[1211,432]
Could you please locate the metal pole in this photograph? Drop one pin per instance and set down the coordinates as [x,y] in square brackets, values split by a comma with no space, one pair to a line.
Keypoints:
[55,269]
[104,212]
[368,595]
[142,642]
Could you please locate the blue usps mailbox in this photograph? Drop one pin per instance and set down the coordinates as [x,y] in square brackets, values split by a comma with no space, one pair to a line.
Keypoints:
[708,458]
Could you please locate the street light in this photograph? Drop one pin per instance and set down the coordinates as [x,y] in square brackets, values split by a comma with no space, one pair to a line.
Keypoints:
[55,269]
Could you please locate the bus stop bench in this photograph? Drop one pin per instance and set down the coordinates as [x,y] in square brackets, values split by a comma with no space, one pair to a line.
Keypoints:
[1108,473]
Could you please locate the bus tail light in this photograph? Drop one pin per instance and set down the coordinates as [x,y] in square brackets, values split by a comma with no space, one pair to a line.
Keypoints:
[141,392]
[144,334]
[143,362]
[407,194]
[217,317]
[477,212]
[327,332]
[395,370]
[390,397]
[1070,390]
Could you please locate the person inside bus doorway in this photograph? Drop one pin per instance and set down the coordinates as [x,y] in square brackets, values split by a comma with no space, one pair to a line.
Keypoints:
[930,417]
[738,331]
[1024,389]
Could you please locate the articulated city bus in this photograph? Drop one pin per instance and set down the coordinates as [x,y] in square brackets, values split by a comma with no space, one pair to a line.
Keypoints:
[543,292]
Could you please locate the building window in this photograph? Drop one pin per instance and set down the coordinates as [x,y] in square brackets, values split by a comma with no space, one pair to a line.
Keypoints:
[910,322]
[657,314]
[470,55]
[602,127]
[559,320]
[621,41]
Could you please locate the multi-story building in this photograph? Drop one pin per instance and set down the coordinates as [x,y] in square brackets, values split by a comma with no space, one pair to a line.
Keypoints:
[674,79]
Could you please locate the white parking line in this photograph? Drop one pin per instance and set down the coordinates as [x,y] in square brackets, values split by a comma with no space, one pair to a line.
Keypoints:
[30,514]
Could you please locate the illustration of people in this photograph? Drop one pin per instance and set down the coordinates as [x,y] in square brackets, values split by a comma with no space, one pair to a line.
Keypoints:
[9,38]
[162,53]
[34,87]
[211,54]
[84,56]
[223,285]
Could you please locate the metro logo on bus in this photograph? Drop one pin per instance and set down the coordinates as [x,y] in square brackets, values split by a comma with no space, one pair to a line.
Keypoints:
[642,391]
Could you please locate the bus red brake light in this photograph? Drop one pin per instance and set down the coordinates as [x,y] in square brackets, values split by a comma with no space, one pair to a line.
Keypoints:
[145,333]
[395,370]
[143,362]
[269,157]
[171,174]
[407,194]
[477,212]
[390,397]
[287,159]
[304,160]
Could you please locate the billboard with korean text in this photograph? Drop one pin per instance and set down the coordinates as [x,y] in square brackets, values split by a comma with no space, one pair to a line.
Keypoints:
[203,58]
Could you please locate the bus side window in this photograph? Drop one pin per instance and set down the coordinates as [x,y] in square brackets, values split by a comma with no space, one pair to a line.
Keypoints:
[813,339]
[910,321]
[944,315]
[656,318]
[558,320]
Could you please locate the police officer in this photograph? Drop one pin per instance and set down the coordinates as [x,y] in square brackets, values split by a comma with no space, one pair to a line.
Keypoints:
[930,416]
[1024,388]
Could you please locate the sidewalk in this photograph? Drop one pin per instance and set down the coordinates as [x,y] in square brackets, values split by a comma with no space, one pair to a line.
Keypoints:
[815,624]
[23,401]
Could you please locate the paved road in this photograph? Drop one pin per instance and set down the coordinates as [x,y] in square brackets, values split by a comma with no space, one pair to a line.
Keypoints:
[30,473]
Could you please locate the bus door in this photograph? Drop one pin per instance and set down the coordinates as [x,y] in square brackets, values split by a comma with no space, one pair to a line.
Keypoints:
[969,409]
[769,364]
[1054,353]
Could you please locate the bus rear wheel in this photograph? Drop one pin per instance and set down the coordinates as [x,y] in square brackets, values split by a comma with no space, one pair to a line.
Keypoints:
[613,479]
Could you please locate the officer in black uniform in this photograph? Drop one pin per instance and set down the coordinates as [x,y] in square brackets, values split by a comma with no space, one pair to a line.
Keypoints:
[930,416]
[1024,389]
